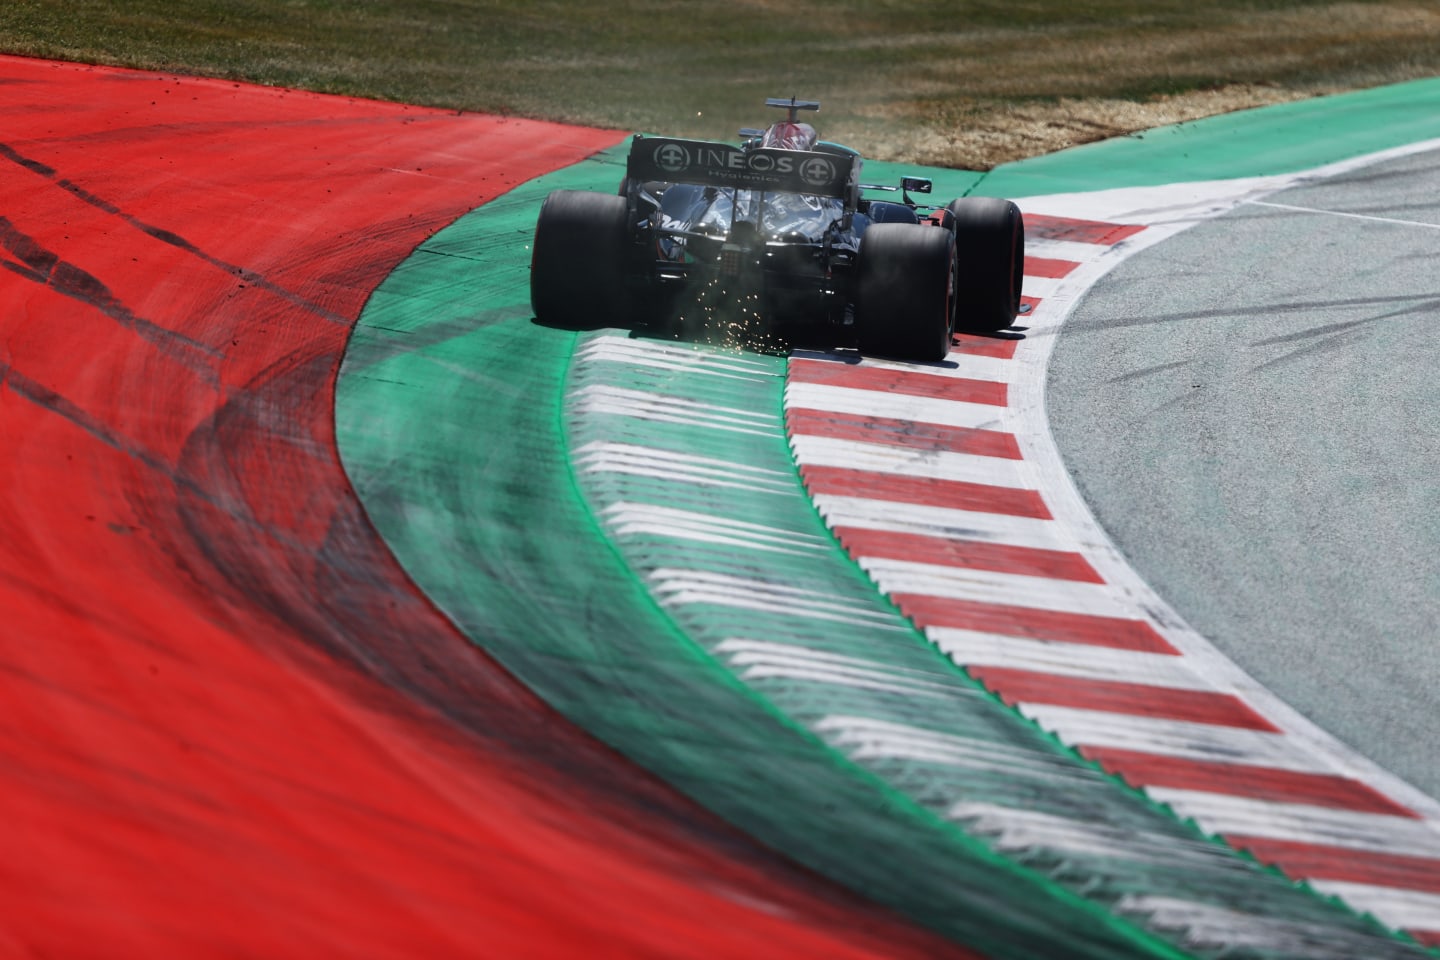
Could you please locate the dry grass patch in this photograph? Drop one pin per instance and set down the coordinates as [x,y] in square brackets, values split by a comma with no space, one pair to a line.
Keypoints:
[1003,132]
[916,80]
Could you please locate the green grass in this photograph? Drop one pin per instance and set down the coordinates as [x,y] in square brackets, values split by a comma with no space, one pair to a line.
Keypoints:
[927,81]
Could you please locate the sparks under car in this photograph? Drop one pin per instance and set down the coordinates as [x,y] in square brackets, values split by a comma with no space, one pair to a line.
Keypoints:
[777,230]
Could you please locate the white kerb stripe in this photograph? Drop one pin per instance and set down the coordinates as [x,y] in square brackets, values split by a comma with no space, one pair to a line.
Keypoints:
[907,461]
[646,399]
[666,409]
[628,519]
[1079,660]
[1072,250]
[622,511]
[1041,287]
[959,365]
[1243,816]
[1013,829]
[670,356]
[870,737]
[681,587]
[1206,926]
[867,514]
[799,661]
[1403,909]
[989,586]
[894,406]
[1204,742]
[659,455]
[739,648]
[844,678]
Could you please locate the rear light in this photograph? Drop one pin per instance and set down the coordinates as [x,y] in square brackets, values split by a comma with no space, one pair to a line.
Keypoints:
[732,258]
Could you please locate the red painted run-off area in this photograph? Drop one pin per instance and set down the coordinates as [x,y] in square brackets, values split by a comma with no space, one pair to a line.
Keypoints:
[228,723]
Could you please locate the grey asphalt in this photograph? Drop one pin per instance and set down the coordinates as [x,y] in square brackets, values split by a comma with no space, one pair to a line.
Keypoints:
[1252,410]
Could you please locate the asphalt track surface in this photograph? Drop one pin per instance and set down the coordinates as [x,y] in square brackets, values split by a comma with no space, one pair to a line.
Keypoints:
[1249,407]
[230,724]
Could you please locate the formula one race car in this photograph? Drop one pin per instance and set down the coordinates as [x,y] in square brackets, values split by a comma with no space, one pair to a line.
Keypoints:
[776,230]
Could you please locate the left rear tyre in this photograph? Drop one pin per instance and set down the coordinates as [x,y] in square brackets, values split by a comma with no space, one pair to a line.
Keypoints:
[577,263]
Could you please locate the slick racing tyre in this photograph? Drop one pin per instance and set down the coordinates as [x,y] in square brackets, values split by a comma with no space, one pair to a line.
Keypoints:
[990,247]
[904,291]
[577,264]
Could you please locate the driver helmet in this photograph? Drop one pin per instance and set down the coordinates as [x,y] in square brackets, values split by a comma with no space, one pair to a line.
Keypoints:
[789,135]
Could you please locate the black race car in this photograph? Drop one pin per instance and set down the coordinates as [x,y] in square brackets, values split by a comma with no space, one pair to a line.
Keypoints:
[776,230]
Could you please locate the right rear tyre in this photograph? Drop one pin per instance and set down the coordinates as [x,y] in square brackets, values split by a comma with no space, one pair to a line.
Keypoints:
[577,263]
[990,245]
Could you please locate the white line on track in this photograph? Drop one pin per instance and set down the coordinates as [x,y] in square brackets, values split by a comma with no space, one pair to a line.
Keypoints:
[1340,213]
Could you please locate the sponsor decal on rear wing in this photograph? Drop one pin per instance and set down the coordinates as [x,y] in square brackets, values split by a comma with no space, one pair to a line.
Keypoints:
[722,165]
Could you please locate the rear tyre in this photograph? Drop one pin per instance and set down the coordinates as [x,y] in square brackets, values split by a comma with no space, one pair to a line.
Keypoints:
[905,291]
[577,264]
[990,248]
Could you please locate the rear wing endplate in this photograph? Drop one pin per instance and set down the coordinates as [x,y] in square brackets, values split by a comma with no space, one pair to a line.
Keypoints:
[722,165]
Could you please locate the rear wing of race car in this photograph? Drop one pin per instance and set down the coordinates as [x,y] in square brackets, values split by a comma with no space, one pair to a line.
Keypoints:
[759,168]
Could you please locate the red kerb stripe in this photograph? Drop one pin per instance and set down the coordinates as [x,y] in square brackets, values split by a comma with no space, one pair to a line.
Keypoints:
[1079,231]
[953,494]
[1046,267]
[1111,696]
[1113,632]
[908,382]
[1310,861]
[902,433]
[1244,780]
[970,554]
[996,346]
